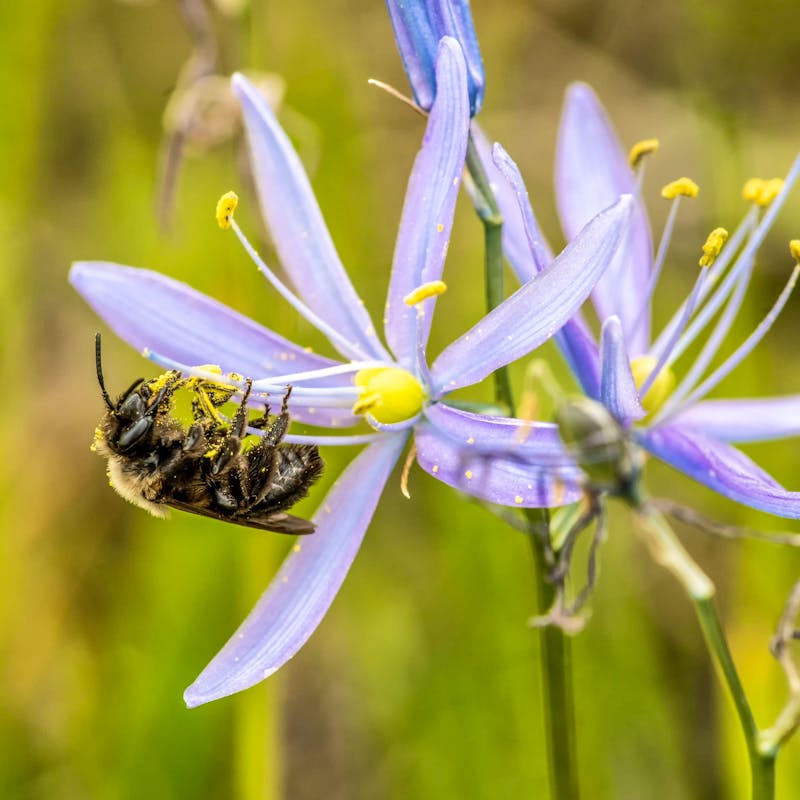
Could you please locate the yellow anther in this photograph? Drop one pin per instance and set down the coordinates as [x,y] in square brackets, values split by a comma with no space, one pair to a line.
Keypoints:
[389,394]
[752,189]
[641,149]
[226,205]
[430,289]
[683,187]
[762,192]
[794,249]
[662,386]
[712,247]
[772,188]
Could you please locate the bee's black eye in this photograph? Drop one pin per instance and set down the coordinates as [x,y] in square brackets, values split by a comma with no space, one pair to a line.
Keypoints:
[133,433]
[132,407]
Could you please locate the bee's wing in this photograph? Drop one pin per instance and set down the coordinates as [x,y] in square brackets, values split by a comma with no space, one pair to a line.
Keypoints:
[275,521]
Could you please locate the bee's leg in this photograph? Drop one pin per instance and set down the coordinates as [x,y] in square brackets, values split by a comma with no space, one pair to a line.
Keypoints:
[195,439]
[275,431]
[232,443]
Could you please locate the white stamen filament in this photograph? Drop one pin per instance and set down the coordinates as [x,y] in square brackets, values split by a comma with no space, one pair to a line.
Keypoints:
[747,346]
[666,237]
[323,397]
[328,441]
[324,372]
[351,349]
[687,313]
[721,290]
[743,263]
[710,349]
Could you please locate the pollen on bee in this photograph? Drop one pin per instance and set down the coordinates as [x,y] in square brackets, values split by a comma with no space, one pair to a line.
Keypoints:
[641,149]
[226,205]
[682,187]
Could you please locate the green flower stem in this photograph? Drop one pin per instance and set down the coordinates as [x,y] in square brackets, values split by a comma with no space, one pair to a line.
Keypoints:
[556,664]
[670,553]
[486,207]
[554,645]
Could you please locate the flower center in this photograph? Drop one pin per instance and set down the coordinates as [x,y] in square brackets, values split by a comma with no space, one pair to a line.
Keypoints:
[662,386]
[388,394]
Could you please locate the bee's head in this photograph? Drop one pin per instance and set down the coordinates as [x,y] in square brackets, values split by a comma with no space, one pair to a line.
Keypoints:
[130,419]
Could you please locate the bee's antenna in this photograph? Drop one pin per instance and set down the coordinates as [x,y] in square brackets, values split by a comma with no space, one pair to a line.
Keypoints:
[99,365]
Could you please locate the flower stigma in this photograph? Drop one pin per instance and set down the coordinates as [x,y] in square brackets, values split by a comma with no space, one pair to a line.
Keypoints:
[661,387]
[388,394]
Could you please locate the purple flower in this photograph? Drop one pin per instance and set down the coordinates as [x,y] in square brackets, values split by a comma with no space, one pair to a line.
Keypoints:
[394,389]
[418,27]
[669,417]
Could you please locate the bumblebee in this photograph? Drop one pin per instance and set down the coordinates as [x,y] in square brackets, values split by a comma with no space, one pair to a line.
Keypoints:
[155,461]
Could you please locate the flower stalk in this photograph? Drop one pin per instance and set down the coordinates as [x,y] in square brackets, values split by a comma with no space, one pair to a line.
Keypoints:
[668,551]
[489,213]
[555,650]
[556,665]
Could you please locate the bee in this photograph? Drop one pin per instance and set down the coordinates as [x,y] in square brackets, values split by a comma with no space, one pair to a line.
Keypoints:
[155,461]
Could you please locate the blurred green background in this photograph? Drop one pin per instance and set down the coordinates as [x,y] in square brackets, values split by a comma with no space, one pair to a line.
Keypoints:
[422,682]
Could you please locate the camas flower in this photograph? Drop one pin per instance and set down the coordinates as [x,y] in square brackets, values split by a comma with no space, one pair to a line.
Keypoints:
[669,418]
[394,389]
[418,27]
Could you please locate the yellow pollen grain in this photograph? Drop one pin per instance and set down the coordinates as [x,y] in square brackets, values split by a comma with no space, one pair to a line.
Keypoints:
[430,289]
[226,205]
[471,440]
[641,149]
[468,474]
[518,499]
[440,227]
[435,469]
[794,249]
[682,187]
[297,548]
[713,246]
